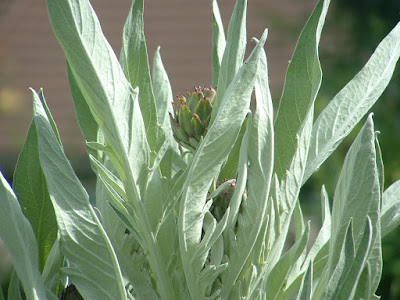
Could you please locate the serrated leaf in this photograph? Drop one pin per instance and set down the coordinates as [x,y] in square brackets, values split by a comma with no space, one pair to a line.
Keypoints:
[302,82]
[347,108]
[85,244]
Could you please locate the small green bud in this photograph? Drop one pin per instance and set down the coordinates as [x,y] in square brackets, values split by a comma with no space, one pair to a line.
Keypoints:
[185,117]
[192,116]
[203,110]
[194,98]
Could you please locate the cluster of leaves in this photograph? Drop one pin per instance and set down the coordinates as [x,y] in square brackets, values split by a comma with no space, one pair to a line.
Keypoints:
[154,233]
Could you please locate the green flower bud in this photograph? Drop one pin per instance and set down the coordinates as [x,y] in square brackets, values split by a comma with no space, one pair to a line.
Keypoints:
[192,116]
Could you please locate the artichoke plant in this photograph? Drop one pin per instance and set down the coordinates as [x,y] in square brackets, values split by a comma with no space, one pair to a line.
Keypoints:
[192,116]
[166,223]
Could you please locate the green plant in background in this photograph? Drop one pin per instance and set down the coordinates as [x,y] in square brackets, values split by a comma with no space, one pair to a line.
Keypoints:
[210,223]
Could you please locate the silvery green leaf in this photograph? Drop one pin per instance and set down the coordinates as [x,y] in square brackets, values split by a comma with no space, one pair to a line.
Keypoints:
[218,44]
[112,101]
[86,122]
[285,195]
[210,273]
[260,153]
[324,233]
[347,273]
[357,196]
[390,214]
[379,163]
[232,164]
[154,199]
[240,172]
[19,238]
[293,290]
[85,244]
[115,106]
[306,288]
[30,186]
[211,235]
[135,63]
[341,268]
[353,101]
[349,286]
[52,268]
[209,157]
[108,176]
[277,282]
[233,56]
[132,260]
[220,189]
[302,82]
[162,95]
[14,291]
[298,220]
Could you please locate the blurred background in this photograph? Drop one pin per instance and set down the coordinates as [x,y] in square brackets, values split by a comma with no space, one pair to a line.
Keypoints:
[31,57]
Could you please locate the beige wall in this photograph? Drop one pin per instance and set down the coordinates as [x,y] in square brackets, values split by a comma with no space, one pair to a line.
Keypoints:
[31,57]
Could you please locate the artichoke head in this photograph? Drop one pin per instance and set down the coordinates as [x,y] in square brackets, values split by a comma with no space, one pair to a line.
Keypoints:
[192,116]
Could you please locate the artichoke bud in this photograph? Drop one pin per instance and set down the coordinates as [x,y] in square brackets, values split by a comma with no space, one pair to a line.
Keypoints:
[194,98]
[210,94]
[192,116]
[197,127]
[184,119]
[203,110]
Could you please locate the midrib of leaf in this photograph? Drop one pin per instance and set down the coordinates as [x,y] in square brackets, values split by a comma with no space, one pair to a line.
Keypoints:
[71,202]
[30,186]
[134,61]
[302,82]
[111,100]
[233,54]
[326,134]
[260,156]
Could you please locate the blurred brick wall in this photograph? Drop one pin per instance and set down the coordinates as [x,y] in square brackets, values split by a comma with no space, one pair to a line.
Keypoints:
[31,57]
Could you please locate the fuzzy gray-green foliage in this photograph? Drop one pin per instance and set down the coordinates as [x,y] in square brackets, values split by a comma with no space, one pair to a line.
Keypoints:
[153,234]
